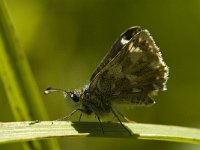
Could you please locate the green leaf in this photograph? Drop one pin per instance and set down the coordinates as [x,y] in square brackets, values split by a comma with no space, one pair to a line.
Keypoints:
[26,131]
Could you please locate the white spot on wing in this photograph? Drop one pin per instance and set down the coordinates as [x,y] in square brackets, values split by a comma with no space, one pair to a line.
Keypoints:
[124,41]
[131,47]
[138,50]
[134,49]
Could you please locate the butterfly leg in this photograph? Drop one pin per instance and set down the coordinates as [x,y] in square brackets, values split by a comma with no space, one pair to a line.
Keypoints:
[125,118]
[80,117]
[68,116]
[100,123]
[114,113]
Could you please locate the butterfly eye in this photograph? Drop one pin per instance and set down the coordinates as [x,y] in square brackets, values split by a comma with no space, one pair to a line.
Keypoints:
[74,97]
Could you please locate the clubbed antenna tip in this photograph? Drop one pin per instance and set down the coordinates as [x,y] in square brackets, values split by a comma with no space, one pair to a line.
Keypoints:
[51,90]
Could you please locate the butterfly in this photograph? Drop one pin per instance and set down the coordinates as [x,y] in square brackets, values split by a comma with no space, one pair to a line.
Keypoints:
[132,72]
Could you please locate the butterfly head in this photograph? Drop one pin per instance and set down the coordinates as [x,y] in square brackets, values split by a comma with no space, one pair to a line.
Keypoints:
[75,96]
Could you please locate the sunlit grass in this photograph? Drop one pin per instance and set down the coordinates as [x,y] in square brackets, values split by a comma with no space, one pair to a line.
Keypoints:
[28,131]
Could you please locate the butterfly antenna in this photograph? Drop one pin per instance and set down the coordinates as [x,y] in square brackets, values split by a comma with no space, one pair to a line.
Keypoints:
[51,90]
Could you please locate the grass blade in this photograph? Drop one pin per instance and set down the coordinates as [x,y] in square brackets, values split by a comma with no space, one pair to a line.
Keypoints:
[26,131]
[20,86]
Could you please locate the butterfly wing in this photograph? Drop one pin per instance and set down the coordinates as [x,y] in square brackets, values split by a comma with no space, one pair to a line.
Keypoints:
[133,72]
[117,46]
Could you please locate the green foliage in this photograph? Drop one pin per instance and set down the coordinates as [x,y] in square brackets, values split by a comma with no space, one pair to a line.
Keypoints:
[26,131]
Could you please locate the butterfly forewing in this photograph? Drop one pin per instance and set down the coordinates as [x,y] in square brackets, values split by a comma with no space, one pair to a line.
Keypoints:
[134,73]
[116,48]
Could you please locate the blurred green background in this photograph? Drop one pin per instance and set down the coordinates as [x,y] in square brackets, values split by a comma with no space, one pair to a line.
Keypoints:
[65,41]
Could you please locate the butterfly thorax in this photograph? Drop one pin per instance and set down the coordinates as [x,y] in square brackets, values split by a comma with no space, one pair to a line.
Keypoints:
[95,102]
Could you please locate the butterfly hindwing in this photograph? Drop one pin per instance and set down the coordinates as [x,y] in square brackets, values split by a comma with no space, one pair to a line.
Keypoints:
[134,73]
